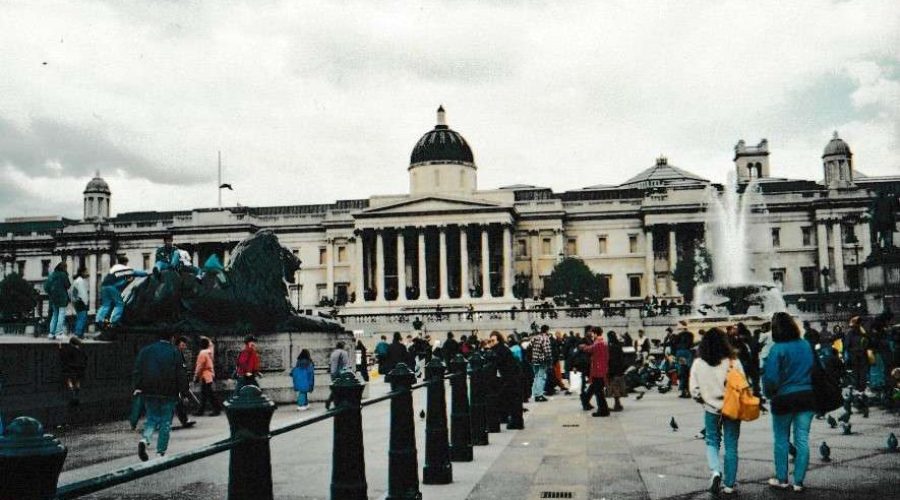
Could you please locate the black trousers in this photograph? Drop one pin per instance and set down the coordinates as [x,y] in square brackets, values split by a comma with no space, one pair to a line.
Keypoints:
[595,390]
[207,395]
[181,411]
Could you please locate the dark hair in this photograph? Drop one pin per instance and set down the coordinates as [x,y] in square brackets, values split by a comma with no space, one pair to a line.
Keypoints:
[498,336]
[122,259]
[545,328]
[82,270]
[612,337]
[304,354]
[249,338]
[714,347]
[182,339]
[449,335]
[204,343]
[340,344]
[383,337]
[397,337]
[60,266]
[784,329]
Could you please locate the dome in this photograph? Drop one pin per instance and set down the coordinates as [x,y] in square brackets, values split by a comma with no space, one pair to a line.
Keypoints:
[836,146]
[97,185]
[441,145]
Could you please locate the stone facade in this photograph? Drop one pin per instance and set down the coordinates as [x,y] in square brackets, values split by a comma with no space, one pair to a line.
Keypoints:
[447,243]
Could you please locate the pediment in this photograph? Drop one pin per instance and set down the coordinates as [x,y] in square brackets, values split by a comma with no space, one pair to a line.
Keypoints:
[435,204]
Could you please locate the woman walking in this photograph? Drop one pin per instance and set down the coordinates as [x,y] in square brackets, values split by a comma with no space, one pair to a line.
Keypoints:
[707,386]
[616,374]
[787,382]
[303,375]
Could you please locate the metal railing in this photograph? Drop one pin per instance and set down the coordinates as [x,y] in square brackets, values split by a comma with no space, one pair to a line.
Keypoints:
[35,459]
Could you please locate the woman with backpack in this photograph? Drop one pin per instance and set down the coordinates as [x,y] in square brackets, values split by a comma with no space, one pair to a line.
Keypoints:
[787,382]
[707,386]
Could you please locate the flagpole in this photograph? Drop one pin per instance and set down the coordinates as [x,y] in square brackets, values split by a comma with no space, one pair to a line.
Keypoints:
[220,180]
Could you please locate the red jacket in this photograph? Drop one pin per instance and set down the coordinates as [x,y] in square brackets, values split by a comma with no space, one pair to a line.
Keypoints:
[599,357]
[248,363]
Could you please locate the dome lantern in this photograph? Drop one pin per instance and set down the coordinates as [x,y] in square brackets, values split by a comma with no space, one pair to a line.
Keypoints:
[442,161]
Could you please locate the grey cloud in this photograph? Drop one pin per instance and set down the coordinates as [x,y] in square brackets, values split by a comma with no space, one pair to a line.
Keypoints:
[50,148]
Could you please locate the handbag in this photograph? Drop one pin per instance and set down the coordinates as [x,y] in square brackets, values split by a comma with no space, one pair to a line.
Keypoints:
[826,389]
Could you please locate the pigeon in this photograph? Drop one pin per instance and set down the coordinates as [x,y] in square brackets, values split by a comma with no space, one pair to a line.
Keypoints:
[831,422]
[845,417]
[640,396]
[892,442]
[701,434]
[847,427]
[825,452]
[673,424]
[763,409]
[422,414]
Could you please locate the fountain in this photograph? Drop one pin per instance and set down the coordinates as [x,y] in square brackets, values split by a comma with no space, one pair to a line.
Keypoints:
[732,233]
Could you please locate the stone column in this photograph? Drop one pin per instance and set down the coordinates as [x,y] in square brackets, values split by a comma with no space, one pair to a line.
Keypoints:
[507,263]
[329,271]
[105,263]
[485,264]
[464,262]
[401,266]
[822,243]
[648,262]
[442,249]
[673,261]
[92,281]
[360,267]
[423,276]
[838,243]
[379,266]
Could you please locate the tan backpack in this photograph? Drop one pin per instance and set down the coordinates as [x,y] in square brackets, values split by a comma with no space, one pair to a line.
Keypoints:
[739,401]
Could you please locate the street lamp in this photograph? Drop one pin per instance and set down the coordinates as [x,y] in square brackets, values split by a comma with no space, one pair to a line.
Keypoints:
[825,274]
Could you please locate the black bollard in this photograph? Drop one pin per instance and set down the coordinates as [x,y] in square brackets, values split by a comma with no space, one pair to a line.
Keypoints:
[491,392]
[403,468]
[30,461]
[513,394]
[348,465]
[479,418]
[460,421]
[438,469]
[250,464]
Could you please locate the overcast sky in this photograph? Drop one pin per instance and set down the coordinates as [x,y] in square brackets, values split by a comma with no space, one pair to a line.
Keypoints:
[318,101]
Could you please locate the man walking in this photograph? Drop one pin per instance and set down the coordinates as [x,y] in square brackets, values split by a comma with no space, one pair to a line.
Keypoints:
[599,368]
[180,408]
[381,352]
[541,357]
[80,300]
[338,362]
[159,378]
[247,366]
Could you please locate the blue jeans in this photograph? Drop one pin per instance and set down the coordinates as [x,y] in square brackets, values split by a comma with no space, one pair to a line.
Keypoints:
[80,323]
[111,300]
[159,411]
[781,428]
[540,379]
[302,398]
[716,426]
[57,320]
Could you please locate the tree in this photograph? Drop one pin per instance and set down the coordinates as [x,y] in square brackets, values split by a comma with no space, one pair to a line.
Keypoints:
[574,283]
[697,268]
[17,298]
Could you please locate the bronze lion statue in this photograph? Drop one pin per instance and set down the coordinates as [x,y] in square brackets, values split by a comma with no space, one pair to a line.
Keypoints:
[249,295]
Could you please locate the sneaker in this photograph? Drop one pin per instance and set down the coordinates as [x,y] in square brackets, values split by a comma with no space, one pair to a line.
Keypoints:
[142,451]
[775,483]
[798,488]
[729,490]
[600,413]
[299,408]
[303,408]
[51,337]
[715,482]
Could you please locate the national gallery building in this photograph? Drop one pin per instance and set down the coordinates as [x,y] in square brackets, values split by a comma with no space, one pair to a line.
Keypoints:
[447,242]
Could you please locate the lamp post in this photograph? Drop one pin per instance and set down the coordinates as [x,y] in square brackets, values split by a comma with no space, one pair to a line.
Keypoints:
[825,274]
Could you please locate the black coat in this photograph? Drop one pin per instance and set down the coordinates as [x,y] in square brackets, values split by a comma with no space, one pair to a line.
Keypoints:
[507,365]
[159,371]
[616,359]
[397,353]
[450,350]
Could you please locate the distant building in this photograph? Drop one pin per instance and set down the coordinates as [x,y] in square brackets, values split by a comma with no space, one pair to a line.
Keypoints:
[447,242]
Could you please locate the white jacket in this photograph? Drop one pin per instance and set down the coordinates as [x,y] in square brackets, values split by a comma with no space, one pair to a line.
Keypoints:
[79,290]
[708,382]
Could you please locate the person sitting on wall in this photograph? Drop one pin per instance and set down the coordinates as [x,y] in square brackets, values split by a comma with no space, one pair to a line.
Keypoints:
[167,256]
[119,277]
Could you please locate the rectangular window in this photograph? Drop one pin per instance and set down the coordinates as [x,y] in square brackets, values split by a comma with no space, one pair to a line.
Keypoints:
[634,285]
[342,254]
[776,237]
[146,258]
[601,245]
[849,234]
[605,282]
[572,246]
[21,267]
[809,275]
[632,243]
[852,275]
[45,267]
[521,248]
[807,236]
[321,291]
[323,256]
[778,277]
[545,247]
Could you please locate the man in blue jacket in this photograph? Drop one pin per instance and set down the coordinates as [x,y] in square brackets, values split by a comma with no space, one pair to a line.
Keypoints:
[159,378]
